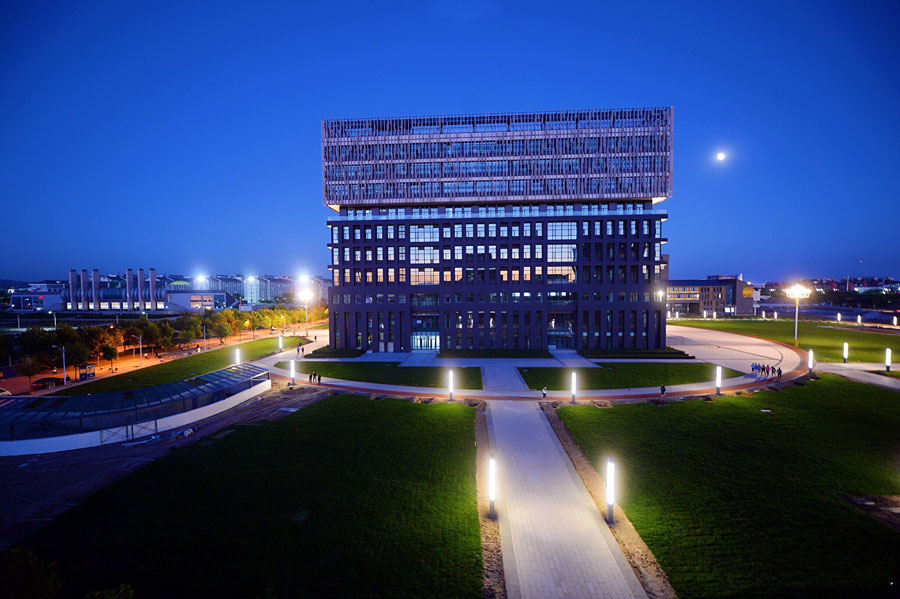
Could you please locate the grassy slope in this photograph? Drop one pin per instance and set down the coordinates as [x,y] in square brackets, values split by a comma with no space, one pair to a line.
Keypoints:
[738,503]
[621,376]
[824,339]
[389,486]
[180,369]
[389,373]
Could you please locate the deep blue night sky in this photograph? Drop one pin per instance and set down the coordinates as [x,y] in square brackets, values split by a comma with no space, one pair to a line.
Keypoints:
[186,136]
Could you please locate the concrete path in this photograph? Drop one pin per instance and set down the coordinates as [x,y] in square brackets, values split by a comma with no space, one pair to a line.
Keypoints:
[860,372]
[502,378]
[555,543]
[737,352]
[570,358]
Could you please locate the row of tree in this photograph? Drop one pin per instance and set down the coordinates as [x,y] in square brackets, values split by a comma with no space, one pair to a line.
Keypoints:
[38,349]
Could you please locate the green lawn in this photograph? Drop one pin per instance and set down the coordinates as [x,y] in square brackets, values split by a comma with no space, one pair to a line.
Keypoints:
[182,368]
[621,376]
[825,339]
[387,488]
[735,502]
[390,373]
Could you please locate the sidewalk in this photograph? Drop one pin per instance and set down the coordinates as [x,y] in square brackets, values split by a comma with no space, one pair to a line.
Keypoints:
[555,543]
[859,372]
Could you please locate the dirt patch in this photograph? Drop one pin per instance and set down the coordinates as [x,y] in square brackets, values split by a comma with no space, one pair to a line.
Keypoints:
[642,560]
[884,508]
[494,576]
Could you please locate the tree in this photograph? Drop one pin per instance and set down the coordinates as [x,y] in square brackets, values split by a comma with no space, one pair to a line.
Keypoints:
[166,335]
[108,352]
[30,367]
[23,575]
[222,330]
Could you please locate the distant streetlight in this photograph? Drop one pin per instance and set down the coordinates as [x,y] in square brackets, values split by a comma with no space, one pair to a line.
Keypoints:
[846,351]
[720,156]
[54,320]
[610,489]
[573,386]
[62,350]
[810,362]
[450,384]
[492,485]
[140,339]
[718,380]
[797,292]
[887,359]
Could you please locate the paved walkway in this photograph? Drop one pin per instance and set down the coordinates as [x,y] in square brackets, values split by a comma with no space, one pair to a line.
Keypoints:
[555,543]
[733,351]
[860,372]
[570,358]
[502,378]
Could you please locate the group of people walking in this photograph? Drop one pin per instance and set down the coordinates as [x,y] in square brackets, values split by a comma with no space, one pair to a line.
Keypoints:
[315,378]
[767,371]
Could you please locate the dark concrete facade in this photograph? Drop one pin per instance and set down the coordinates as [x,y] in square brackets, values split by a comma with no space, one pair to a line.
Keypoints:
[522,231]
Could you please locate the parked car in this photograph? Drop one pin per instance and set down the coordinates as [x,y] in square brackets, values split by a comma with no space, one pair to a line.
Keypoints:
[48,382]
[4,391]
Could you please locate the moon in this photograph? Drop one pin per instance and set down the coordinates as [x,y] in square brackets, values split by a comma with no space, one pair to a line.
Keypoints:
[720,156]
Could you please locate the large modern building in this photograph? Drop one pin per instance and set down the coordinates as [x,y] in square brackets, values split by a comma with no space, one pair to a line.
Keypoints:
[525,230]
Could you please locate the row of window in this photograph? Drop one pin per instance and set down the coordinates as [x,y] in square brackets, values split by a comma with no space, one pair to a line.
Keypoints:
[495,211]
[498,168]
[556,231]
[502,147]
[633,274]
[556,252]
[574,186]
[502,297]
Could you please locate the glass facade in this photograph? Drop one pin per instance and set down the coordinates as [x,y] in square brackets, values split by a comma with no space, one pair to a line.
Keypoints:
[489,232]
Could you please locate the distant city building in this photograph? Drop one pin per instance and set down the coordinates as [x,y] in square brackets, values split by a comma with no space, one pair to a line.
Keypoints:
[524,230]
[723,294]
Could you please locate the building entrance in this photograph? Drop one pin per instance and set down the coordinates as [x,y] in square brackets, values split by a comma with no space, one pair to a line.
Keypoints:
[426,341]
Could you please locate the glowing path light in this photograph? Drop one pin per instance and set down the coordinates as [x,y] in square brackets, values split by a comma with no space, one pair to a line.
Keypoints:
[714,315]
[237,356]
[839,317]
[895,321]
[610,489]
[280,342]
[763,314]
[846,351]
[718,380]
[704,314]
[775,314]
[573,386]
[293,382]
[859,320]
[492,485]
[450,384]
[810,362]
[887,358]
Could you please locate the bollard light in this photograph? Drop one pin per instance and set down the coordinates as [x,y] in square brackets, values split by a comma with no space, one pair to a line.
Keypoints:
[718,380]
[846,351]
[668,315]
[704,314]
[839,317]
[887,359]
[450,384]
[859,319]
[676,315]
[610,489]
[237,356]
[810,362]
[280,343]
[293,382]
[775,315]
[763,314]
[573,386]
[714,314]
[492,485]
[895,321]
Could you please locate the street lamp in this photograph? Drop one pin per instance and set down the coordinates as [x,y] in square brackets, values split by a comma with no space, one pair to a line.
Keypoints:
[54,320]
[718,380]
[573,386]
[797,292]
[62,350]
[610,489]
[846,351]
[140,339]
[306,295]
[450,383]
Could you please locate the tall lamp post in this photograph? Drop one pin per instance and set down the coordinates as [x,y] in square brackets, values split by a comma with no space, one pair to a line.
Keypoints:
[140,339]
[306,295]
[797,292]
[54,320]
[62,350]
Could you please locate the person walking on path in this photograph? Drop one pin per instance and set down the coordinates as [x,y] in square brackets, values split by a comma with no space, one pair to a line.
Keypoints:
[779,373]
[298,350]
[662,390]
[544,393]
